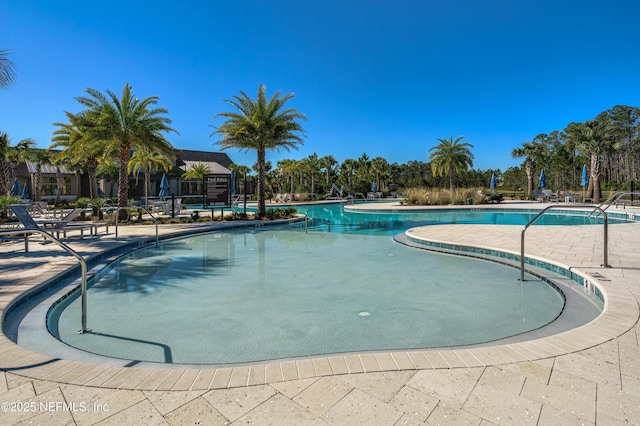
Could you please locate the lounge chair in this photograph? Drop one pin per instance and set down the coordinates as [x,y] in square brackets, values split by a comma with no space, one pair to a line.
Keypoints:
[569,197]
[57,226]
[536,193]
[174,204]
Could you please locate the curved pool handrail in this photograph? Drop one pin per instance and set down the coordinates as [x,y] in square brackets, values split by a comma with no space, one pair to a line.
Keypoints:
[613,199]
[574,206]
[83,263]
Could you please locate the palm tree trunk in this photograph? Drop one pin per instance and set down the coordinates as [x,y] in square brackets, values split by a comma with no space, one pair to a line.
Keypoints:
[92,165]
[123,180]
[595,177]
[38,183]
[292,183]
[451,186]
[147,186]
[261,202]
[528,166]
[59,185]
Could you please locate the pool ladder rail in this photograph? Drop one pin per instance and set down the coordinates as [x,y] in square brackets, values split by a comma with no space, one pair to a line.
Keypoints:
[83,264]
[574,206]
[614,198]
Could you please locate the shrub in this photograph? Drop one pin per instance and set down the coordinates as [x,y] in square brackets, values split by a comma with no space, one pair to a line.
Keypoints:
[443,197]
[6,200]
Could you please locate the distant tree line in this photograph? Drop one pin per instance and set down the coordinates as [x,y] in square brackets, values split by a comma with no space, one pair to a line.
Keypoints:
[112,128]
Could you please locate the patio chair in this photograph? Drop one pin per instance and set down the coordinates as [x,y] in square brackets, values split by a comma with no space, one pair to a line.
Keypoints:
[175,204]
[536,193]
[57,226]
[569,197]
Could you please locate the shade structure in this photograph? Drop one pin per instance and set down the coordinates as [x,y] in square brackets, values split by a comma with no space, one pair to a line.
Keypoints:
[543,179]
[374,187]
[25,191]
[585,177]
[15,189]
[164,187]
[492,185]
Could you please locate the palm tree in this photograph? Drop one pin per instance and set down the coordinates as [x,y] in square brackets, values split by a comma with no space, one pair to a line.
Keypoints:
[349,166]
[290,167]
[450,157]
[196,172]
[313,165]
[79,147]
[260,124]
[10,157]
[242,170]
[149,162]
[328,163]
[5,169]
[6,70]
[532,152]
[594,139]
[108,169]
[18,153]
[128,123]
[381,167]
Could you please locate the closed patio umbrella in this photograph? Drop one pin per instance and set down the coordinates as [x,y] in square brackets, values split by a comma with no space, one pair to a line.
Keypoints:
[492,185]
[164,187]
[15,189]
[585,180]
[25,191]
[543,179]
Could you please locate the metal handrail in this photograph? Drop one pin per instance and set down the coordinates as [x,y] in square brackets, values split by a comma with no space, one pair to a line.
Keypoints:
[614,198]
[606,232]
[83,264]
[141,208]
[306,217]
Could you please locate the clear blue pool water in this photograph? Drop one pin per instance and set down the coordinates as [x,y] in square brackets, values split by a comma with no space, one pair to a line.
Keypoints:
[246,296]
[241,296]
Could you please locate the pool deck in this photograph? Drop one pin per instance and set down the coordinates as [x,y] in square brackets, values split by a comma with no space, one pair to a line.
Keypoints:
[590,375]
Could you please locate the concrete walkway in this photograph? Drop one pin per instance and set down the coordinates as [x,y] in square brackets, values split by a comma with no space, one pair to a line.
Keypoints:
[590,375]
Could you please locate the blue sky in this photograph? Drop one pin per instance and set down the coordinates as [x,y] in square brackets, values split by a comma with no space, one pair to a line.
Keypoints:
[385,78]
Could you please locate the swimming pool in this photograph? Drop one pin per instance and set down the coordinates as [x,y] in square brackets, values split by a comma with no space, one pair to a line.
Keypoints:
[247,296]
[270,294]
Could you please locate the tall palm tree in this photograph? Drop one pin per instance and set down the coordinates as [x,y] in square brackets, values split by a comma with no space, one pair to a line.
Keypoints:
[5,168]
[380,166]
[450,157]
[328,163]
[260,124]
[532,152]
[6,69]
[290,167]
[349,166]
[594,139]
[128,123]
[148,162]
[10,157]
[18,153]
[80,147]
[313,165]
